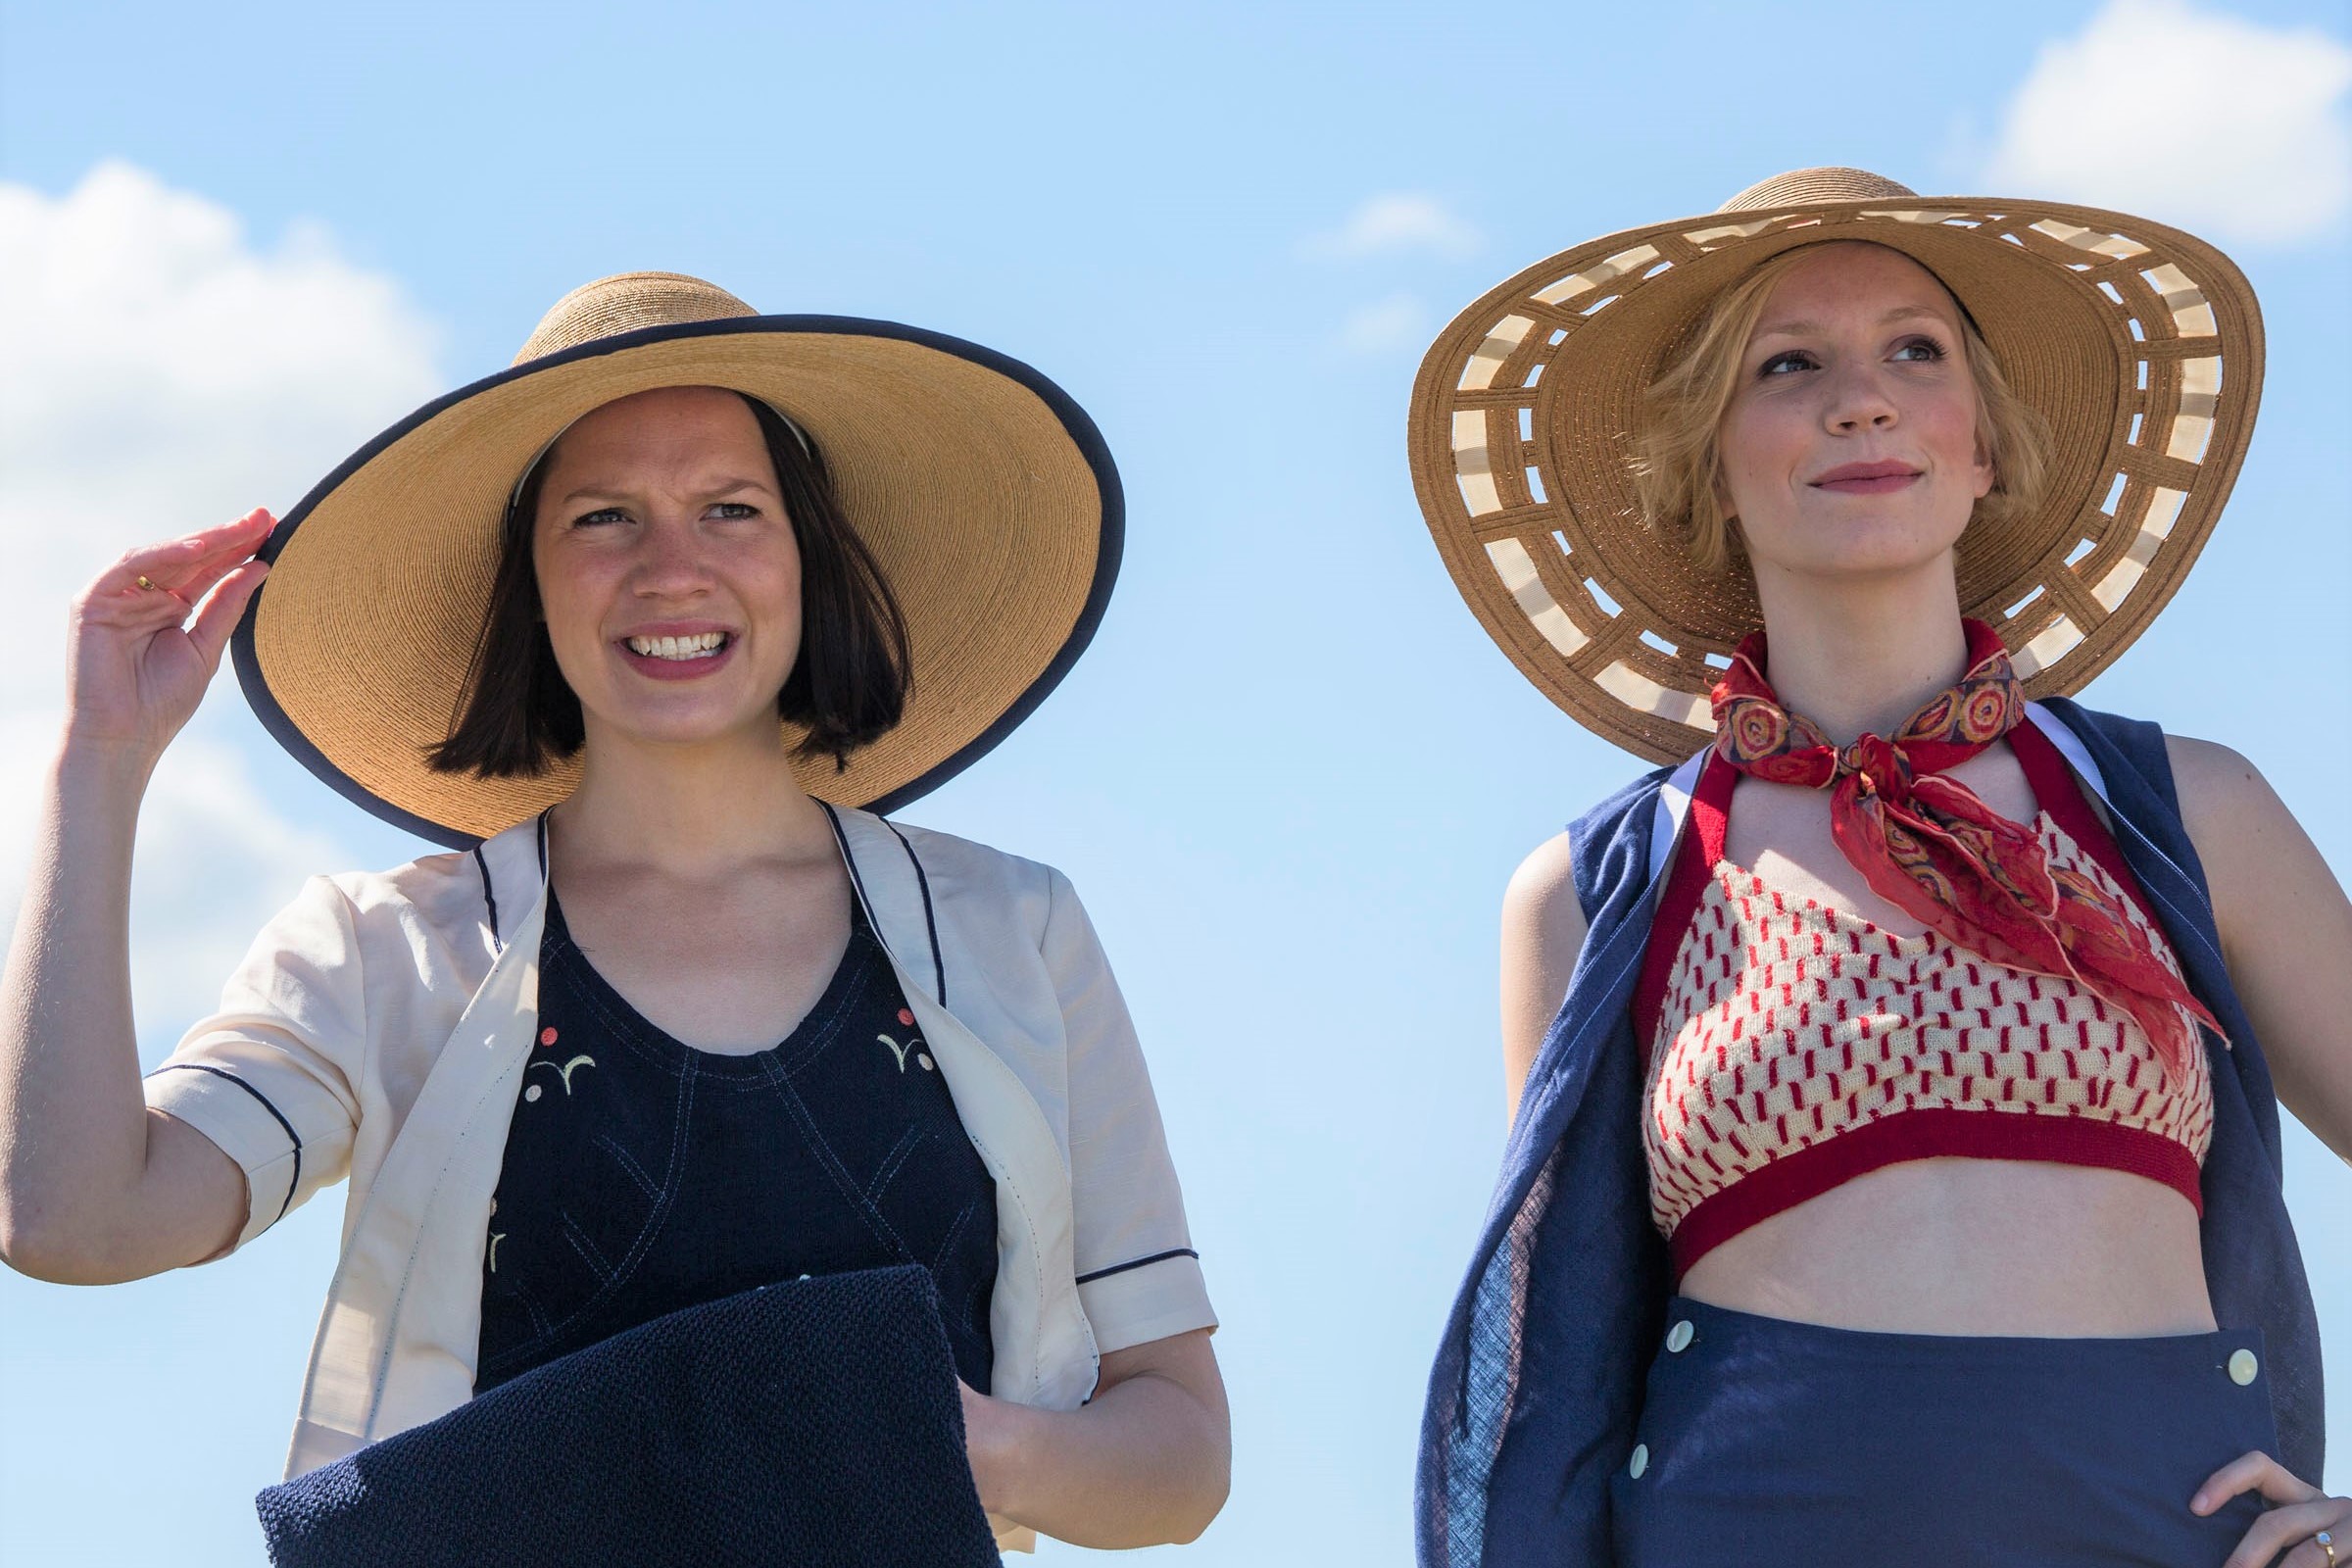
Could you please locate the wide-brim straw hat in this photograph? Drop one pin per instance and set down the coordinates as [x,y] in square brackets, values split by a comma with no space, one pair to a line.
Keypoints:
[985,494]
[2140,344]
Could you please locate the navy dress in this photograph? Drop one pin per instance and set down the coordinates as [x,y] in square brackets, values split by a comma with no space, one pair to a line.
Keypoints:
[642,1176]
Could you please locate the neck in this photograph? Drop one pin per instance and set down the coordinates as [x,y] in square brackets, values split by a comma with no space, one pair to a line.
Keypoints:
[697,812]
[1860,658]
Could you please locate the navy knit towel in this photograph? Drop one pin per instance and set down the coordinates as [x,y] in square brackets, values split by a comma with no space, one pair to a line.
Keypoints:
[801,1425]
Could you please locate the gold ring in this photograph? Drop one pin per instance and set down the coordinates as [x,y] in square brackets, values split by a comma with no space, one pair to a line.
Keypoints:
[143,582]
[2327,1543]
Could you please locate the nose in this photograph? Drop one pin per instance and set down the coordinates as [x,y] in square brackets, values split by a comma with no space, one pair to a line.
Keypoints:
[670,561]
[1857,399]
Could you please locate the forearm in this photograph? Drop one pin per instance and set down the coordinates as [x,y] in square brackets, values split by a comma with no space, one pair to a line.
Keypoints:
[72,1122]
[1146,1463]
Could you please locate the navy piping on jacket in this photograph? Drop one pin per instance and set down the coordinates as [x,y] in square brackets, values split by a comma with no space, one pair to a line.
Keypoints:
[489,896]
[292,1137]
[939,962]
[1141,1262]
[849,858]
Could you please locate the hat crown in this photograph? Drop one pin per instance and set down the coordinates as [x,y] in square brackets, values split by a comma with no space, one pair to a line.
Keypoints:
[628,302]
[1803,186]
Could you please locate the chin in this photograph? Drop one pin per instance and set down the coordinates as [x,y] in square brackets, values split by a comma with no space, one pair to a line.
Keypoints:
[1878,548]
[685,724]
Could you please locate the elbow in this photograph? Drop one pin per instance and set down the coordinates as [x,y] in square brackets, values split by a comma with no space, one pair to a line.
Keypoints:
[62,1247]
[1206,1504]
[1203,1500]
[40,1250]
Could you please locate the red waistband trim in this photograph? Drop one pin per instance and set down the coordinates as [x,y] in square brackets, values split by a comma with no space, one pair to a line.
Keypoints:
[1926,1134]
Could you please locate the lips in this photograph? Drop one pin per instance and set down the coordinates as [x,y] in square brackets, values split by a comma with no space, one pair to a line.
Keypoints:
[1866,479]
[677,651]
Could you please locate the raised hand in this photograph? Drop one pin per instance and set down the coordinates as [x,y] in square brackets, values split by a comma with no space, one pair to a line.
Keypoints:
[145,639]
[95,1187]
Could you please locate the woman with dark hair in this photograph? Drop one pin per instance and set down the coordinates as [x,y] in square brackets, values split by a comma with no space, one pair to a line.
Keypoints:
[647,628]
[1895,1168]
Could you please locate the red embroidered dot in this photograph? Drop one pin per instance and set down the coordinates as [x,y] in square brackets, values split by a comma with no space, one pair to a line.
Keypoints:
[547,1037]
[906,1017]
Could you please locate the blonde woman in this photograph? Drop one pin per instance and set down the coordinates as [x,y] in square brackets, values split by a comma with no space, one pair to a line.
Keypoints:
[647,629]
[1894,1171]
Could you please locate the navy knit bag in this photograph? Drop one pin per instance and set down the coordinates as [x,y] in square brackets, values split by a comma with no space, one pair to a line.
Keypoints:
[808,1424]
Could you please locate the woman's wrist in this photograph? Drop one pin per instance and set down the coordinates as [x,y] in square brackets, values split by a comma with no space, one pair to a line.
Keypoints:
[996,1438]
[111,765]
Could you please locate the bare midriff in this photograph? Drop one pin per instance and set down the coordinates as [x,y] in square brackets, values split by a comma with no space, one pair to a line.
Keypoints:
[1974,1247]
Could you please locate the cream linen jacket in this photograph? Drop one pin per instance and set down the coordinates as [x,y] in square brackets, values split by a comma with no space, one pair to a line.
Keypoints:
[378,1030]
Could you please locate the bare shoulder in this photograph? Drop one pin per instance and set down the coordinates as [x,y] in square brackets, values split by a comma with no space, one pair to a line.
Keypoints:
[1542,890]
[2211,773]
[1542,935]
[2227,805]
[2258,859]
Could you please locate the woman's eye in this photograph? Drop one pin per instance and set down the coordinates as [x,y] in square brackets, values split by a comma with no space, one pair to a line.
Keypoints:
[602,515]
[1919,351]
[735,509]
[1779,363]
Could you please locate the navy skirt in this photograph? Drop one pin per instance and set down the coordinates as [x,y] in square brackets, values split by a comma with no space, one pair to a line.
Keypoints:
[1767,1443]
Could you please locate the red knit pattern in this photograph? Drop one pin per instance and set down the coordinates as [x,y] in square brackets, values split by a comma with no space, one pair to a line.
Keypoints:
[1798,1046]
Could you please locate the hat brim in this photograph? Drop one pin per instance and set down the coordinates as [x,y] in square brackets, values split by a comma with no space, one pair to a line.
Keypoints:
[2141,345]
[986,495]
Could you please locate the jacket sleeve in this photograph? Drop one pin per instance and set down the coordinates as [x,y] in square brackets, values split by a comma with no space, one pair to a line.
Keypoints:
[1138,1278]
[269,1077]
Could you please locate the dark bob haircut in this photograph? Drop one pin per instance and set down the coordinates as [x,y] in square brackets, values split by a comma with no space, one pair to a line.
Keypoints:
[849,683]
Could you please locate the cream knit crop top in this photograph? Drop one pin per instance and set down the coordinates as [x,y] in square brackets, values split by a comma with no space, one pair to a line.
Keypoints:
[1792,1046]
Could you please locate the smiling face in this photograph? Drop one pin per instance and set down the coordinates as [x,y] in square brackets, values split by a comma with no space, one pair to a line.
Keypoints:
[668,569]
[1850,446]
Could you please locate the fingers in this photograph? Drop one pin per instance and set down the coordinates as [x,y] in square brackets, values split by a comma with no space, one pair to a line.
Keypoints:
[220,613]
[175,566]
[2299,1511]
[2295,1527]
[2251,1472]
[212,568]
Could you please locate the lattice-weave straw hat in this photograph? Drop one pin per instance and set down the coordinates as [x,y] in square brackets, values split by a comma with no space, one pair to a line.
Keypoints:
[2140,344]
[983,492]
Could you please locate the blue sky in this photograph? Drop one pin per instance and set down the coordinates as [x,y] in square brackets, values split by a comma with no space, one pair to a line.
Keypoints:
[1292,774]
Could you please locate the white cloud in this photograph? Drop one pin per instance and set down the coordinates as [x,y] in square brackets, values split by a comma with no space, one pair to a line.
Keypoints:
[159,372]
[2193,116]
[1395,323]
[1398,221]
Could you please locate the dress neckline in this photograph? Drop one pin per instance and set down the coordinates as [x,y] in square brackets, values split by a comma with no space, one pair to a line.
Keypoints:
[1728,874]
[823,1017]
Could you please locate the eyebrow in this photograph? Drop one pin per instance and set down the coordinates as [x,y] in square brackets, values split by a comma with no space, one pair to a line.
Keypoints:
[1900,313]
[708,492]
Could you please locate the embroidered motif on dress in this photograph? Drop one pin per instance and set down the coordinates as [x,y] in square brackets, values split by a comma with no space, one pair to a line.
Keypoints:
[1786,1025]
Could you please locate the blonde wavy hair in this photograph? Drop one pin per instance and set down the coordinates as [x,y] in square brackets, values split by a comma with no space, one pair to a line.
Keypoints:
[1677,464]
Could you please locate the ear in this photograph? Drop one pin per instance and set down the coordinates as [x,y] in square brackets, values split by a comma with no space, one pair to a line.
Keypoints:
[1983,473]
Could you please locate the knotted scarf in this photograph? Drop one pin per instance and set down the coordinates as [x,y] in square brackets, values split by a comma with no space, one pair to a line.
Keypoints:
[1931,847]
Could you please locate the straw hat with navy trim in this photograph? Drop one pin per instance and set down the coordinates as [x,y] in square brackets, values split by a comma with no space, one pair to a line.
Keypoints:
[2140,344]
[985,494]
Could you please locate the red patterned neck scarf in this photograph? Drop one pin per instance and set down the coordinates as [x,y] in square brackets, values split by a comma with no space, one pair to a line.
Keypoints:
[1928,845]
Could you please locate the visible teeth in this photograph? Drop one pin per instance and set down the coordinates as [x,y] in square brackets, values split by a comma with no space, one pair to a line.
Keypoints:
[700,646]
